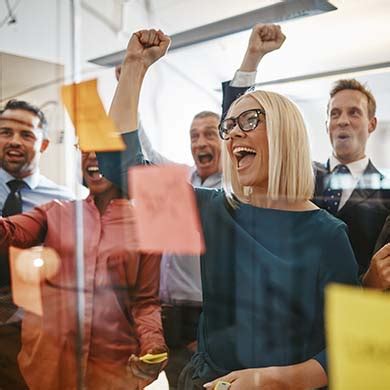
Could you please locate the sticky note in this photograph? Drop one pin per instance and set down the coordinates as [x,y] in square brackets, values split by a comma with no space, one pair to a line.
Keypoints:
[150,358]
[96,131]
[357,325]
[165,209]
[26,288]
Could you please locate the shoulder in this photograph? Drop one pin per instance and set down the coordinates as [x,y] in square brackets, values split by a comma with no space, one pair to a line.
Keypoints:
[209,195]
[56,204]
[374,178]
[51,188]
[328,226]
[337,260]
[319,168]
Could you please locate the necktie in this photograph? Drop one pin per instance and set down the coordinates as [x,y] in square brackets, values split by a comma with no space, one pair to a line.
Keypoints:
[12,206]
[13,203]
[334,189]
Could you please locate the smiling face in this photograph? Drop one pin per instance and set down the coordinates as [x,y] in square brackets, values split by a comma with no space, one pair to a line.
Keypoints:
[349,125]
[206,146]
[21,142]
[94,180]
[249,151]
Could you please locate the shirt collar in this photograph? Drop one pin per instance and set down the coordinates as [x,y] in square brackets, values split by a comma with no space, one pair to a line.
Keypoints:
[32,181]
[214,179]
[356,168]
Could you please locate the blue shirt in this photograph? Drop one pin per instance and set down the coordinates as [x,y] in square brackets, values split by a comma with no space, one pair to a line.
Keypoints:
[39,190]
[180,281]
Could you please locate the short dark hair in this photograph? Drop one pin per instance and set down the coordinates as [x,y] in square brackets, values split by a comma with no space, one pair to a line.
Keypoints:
[354,85]
[206,114]
[15,104]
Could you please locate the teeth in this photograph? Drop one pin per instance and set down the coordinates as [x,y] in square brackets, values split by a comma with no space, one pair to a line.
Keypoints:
[13,153]
[237,150]
[93,169]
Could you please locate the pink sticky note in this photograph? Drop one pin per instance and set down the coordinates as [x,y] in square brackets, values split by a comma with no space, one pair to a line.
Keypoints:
[167,219]
[26,288]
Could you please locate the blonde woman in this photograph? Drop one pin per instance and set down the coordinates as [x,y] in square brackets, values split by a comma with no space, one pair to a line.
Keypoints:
[270,252]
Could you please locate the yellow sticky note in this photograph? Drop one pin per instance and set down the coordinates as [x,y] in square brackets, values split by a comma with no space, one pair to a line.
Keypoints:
[95,129]
[358,324]
[154,358]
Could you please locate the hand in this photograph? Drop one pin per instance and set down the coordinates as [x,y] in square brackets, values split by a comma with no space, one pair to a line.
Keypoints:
[146,47]
[264,39]
[144,372]
[378,274]
[252,379]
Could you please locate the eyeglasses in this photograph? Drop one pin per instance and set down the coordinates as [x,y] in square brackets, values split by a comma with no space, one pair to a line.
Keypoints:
[246,121]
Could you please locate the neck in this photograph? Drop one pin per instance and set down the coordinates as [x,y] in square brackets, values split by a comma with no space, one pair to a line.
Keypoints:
[349,160]
[259,198]
[102,200]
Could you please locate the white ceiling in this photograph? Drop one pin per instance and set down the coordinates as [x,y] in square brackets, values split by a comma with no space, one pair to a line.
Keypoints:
[357,34]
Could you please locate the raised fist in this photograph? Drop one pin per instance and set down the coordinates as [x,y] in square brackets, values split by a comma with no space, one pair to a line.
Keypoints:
[265,38]
[147,46]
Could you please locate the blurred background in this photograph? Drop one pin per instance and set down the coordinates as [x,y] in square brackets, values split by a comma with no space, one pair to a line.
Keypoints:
[352,40]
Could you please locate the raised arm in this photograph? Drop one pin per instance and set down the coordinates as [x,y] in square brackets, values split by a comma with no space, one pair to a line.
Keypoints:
[264,39]
[145,47]
[151,154]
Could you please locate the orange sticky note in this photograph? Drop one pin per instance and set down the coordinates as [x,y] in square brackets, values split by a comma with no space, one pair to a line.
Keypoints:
[167,219]
[95,129]
[26,291]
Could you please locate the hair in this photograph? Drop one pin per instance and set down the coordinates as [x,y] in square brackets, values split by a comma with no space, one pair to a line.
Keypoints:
[290,172]
[354,85]
[206,114]
[23,105]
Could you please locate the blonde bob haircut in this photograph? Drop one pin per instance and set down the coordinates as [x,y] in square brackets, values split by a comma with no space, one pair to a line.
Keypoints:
[290,172]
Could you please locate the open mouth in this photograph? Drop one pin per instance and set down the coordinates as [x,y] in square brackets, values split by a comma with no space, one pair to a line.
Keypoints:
[205,158]
[343,137]
[244,156]
[14,155]
[94,173]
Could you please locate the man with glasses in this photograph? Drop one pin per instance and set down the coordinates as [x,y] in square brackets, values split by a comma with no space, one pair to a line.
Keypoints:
[23,138]
[348,185]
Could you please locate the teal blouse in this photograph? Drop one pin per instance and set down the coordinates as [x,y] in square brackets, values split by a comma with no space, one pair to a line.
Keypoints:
[264,275]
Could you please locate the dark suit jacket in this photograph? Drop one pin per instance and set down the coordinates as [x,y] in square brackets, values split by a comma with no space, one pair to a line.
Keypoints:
[229,95]
[384,237]
[364,213]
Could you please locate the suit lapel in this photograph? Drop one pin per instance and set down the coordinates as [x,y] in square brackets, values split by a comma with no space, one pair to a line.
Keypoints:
[362,192]
[322,177]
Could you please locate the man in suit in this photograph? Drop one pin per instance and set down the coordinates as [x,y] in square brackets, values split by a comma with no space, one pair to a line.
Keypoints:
[23,138]
[348,185]
[365,201]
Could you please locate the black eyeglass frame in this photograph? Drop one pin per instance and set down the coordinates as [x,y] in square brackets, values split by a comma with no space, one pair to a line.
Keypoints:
[236,121]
